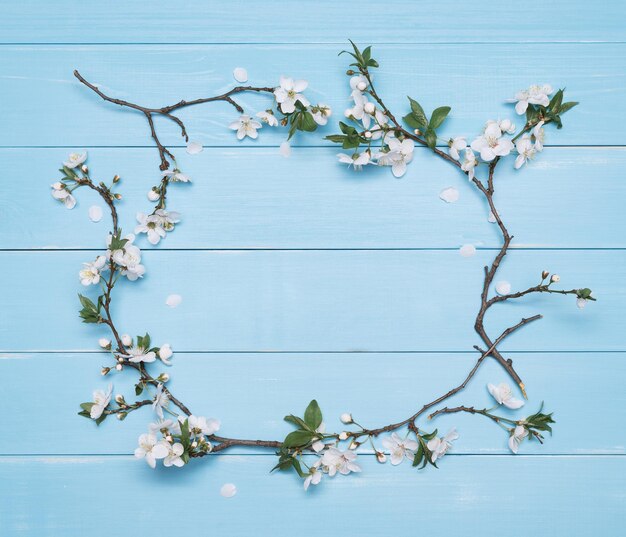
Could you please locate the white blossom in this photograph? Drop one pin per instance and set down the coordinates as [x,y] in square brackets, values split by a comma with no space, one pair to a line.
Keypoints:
[358,82]
[199,425]
[174,455]
[336,460]
[321,113]
[153,195]
[167,425]
[319,445]
[400,154]
[150,449]
[127,340]
[346,418]
[60,192]
[75,159]
[104,342]
[357,160]
[526,151]
[315,475]
[533,95]
[439,446]
[90,273]
[491,144]
[289,92]
[101,400]
[399,448]
[268,117]
[504,396]
[176,176]
[517,435]
[165,353]
[128,258]
[245,126]
[506,125]
[161,400]
[456,146]
[139,354]
[469,163]
[151,226]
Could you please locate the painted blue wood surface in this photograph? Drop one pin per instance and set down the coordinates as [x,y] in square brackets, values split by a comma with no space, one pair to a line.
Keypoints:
[459,75]
[254,198]
[348,263]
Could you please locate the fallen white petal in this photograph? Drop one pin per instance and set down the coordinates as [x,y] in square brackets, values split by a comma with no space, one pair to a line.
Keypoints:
[240,74]
[193,148]
[228,490]
[95,213]
[173,300]
[503,287]
[449,195]
[285,149]
[491,219]
[467,250]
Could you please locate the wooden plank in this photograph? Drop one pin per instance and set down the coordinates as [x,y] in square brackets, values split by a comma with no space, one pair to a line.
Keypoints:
[267,201]
[467,496]
[316,300]
[69,114]
[377,388]
[68,21]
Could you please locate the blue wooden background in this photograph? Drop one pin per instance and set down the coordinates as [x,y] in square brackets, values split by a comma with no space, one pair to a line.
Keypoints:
[301,279]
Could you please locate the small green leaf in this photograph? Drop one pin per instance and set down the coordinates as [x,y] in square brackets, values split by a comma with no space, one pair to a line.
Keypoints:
[431,138]
[313,415]
[567,106]
[412,122]
[297,439]
[438,116]
[418,113]
[296,421]
[555,102]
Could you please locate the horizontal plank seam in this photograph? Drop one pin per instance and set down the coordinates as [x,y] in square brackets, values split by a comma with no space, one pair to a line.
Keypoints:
[210,351]
[381,249]
[363,454]
[293,145]
[306,43]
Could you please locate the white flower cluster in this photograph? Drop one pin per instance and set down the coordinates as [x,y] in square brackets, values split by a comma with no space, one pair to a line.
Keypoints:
[290,101]
[60,190]
[170,447]
[127,256]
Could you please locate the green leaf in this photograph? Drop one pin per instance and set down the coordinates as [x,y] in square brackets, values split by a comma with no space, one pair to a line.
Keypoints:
[347,129]
[567,106]
[296,421]
[297,439]
[419,455]
[418,113]
[139,388]
[438,116]
[412,122]
[429,436]
[298,467]
[84,414]
[431,138]
[555,102]
[306,122]
[313,415]
[336,138]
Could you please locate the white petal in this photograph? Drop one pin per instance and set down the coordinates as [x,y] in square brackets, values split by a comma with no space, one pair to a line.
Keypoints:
[173,300]
[193,148]
[503,287]
[240,74]
[228,490]
[95,213]
[285,149]
[467,250]
[449,195]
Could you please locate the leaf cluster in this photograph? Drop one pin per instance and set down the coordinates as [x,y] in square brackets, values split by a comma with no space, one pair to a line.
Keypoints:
[363,59]
[90,312]
[423,455]
[417,119]
[556,107]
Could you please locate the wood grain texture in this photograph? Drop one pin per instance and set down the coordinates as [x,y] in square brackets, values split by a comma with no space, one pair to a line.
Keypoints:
[467,496]
[317,301]
[462,76]
[252,402]
[254,198]
[297,21]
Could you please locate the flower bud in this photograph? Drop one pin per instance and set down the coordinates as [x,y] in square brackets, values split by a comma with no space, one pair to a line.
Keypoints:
[84,168]
[153,195]
[354,444]
[343,435]
[119,367]
[127,341]
[381,457]
[350,72]
[121,415]
[194,444]
[117,196]
[104,343]
[105,371]
[347,112]
[544,274]
[163,377]
[368,134]
[116,179]
[169,438]
[417,132]
[119,399]
[369,108]
[555,278]
[346,418]
[361,86]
